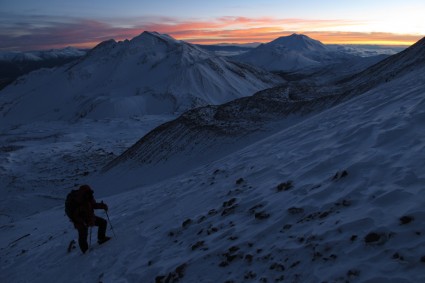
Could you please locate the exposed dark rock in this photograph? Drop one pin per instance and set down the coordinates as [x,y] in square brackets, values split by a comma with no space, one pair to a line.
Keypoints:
[398,256]
[406,219]
[340,175]
[287,227]
[174,276]
[353,273]
[250,275]
[324,214]
[249,258]
[201,219]
[285,186]
[344,202]
[255,207]
[186,223]
[229,202]
[233,249]
[212,230]
[277,267]
[198,245]
[229,210]
[372,237]
[295,210]
[295,264]
[262,215]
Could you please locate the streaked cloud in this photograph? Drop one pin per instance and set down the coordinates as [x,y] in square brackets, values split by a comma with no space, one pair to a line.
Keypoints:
[38,32]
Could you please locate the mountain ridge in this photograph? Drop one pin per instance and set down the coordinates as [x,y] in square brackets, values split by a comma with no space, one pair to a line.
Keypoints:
[199,130]
[150,74]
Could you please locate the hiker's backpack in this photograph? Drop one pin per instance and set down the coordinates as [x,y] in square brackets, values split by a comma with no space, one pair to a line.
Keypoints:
[72,203]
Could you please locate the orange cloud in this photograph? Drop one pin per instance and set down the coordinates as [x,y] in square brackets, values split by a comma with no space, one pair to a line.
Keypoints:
[244,30]
[380,38]
[84,33]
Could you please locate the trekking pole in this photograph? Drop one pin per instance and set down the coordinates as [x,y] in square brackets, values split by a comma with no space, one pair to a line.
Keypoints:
[90,238]
[112,228]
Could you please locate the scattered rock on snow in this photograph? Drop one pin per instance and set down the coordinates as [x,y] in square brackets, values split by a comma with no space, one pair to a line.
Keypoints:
[375,238]
[295,210]
[285,186]
[229,207]
[406,219]
[186,223]
[198,245]
[277,267]
[339,175]
[262,215]
[174,276]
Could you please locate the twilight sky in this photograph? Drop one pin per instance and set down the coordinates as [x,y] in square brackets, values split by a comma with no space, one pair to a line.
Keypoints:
[43,24]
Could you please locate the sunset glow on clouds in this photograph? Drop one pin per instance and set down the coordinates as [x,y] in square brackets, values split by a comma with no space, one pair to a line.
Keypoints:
[34,30]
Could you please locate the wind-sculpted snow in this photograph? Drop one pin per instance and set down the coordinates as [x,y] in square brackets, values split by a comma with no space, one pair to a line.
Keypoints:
[150,74]
[334,198]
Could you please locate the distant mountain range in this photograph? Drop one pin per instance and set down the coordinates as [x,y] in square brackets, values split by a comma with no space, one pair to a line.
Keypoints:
[240,122]
[150,74]
[155,74]
[15,64]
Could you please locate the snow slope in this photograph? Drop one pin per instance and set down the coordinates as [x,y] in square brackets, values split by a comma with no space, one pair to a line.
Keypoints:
[392,67]
[41,161]
[335,198]
[292,53]
[150,74]
[206,134]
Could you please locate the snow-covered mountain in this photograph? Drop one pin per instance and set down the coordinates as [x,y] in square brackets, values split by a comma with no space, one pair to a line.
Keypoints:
[17,56]
[150,74]
[335,197]
[16,64]
[292,53]
[208,133]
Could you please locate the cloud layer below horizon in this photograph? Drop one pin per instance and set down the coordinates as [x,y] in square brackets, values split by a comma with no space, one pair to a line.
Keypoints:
[45,32]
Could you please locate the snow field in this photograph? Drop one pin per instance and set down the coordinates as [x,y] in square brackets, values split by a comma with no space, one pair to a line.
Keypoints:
[335,198]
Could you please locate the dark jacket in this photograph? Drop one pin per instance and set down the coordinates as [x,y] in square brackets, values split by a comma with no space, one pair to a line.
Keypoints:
[84,214]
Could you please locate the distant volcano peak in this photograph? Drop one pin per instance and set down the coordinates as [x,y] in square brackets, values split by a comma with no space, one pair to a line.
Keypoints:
[148,37]
[298,42]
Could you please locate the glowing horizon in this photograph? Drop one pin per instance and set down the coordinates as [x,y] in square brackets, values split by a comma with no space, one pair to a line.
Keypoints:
[44,26]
